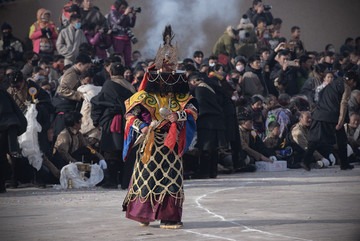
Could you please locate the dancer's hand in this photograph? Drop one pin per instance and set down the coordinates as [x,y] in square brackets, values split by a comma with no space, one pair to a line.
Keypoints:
[173,117]
[145,130]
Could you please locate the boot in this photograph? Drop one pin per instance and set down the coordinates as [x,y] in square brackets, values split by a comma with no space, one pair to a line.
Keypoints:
[111,175]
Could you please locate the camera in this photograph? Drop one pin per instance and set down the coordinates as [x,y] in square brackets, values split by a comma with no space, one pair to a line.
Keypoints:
[267,7]
[131,35]
[138,10]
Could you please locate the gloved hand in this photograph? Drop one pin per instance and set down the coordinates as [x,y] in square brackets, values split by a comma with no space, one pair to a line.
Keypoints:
[273,158]
[102,164]
[325,161]
[286,152]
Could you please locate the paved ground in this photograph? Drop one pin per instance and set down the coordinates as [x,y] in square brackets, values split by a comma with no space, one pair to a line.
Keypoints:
[290,205]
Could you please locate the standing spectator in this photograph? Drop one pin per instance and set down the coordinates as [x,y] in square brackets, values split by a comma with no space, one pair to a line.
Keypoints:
[120,23]
[348,45]
[12,124]
[32,60]
[258,10]
[43,33]
[284,74]
[248,38]
[91,15]
[253,82]
[329,117]
[198,58]
[225,45]
[295,39]
[310,85]
[71,8]
[210,125]
[70,39]
[108,111]
[98,38]
[11,48]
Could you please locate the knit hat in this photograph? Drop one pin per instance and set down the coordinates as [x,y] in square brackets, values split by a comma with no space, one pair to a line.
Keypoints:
[5,25]
[245,19]
[241,59]
[245,23]
[244,116]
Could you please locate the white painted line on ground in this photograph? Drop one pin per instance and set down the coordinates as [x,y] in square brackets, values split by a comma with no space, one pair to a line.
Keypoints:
[247,229]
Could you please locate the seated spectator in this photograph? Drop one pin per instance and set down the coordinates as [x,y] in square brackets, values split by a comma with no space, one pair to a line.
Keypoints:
[329,59]
[299,134]
[43,33]
[281,114]
[281,146]
[71,144]
[330,48]
[352,130]
[251,144]
[354,103]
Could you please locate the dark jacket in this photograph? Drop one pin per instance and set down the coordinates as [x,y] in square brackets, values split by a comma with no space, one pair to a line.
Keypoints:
[333,100]
[108,103]
[286,79]
[254,16]
[10,114]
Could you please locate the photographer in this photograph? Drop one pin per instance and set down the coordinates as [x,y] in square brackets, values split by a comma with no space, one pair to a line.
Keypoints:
[259,10]
[120,23]
[43,33]
[11,48]
[99,38]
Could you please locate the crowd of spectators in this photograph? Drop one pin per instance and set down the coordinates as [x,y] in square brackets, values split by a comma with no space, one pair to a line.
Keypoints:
[256,92]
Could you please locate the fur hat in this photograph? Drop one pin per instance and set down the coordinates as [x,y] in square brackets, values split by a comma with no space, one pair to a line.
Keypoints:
[245,23]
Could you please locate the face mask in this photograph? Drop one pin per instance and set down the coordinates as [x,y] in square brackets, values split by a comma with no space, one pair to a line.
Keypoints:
[266,36]
[35,62]
[332,50]
[78,25]
[212,64]
[240,68]
[257,109]
[39,77]
[6,34]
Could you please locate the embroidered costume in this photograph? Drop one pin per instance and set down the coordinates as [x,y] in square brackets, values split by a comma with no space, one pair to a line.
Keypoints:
[156,189]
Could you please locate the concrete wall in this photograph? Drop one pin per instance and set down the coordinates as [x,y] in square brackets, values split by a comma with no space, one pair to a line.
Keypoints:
[321,21]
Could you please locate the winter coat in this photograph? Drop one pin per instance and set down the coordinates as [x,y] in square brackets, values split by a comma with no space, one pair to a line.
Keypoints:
[92,16]
[104,107]
[10,114]
[118,22]
[333,100]
[254,16]
[36,34]
[286,79]
[68,43]
[101,41]
[253,83]
[225,44]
